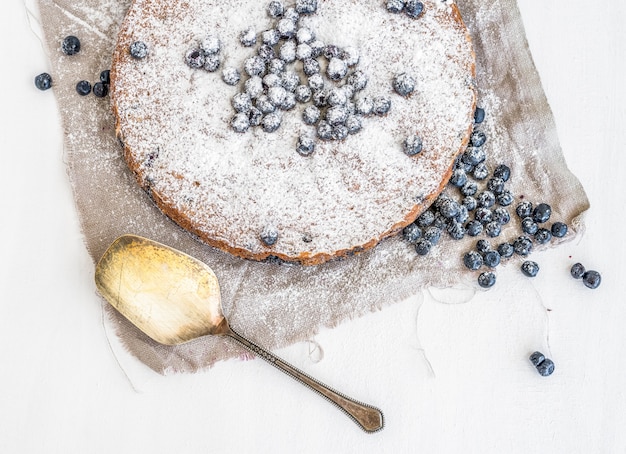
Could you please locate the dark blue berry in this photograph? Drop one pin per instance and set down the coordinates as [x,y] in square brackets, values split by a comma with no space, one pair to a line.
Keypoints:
[303,93]
[255,116]
[43,81]
[529,226]
[240,122]
[493,229]
[337,69]
[340,132]
[456,230]
[311,115]
[306,146]
[426,218]
[275,9]
[306,6]
[458,178]
[354,124]
[491,259]
[364,106]
[542,213]
[523,245]
[254,87]
[231,76]
[241,102]
[473,156]
[271,122]
[290,81]
[138,50]
[496,185]
[478,139]
[483,246]
[336,115]
[530,268]
[70,45]
[524,209]
[211,62]
[382,106]
[469,188]
[473,260]
[291,14]
[105,76]
[266,52]
[592,279]
[479,115]
[254,66]
[287,29]
[474,228]
[487,279]
[211,45]
[501,216]
[537,358]
[337,97]
[577,271]
[412,145]
[269,236]
[413,8]
[264,104]
[469,202]
[505,198]
[559,229]
[100,89]
[422,247]
[506,250]
[271,37]
[324,130]
[463,215]
[432,234]
[546,368]
[480,171]
[486,199]
[83,88]
[195,58]
[304,35]
[248,37]
[483,215]
[412,233]
[310,66]
[404,84]
[502,171]
[320,99]
[543,236]
[449,208]
[395,6]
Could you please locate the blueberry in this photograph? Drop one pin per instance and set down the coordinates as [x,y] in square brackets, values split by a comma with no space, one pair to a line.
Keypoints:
[105,76]
[559,229]
[502,171]
[529,226]
[543,236]
[404,84]
[478,139]
[255,116]
[358,79]
[320,98]
[240,122]
[412,145]
[491,258]
[449,208]
[83,88]
[211,45]
[340,132]
[501,216]
[351,56]
[537,358]
[310,66]
[479,115]
[412,233]
[546,368]
[592,279]
[306,6]
[523,246]
[461,164]
[70,45]
[289,102]
[306,146]
[505,198]
[432,234]
[316,82]
[364,106]
[248,37]
[286,28]
[277,95]
[496,185]
[474,228]
[291,14]
[354,124]
[276,66]
[138,50]
[304,35]
[336,115]
[269,236]
[530,268]
[458,178]
[241,102]
[317,48]
[211,62]
[480,171]
[324,130]
[337,97]
[270,37]
[287,52]
[440,222]
[486,199]
[426,218]
[303,51]
[303,93]
[231,76]
[422,247]
[337,69]
[413,8]
[463,215]
[470,188]
[254,66]
[474,156]
[311,115]
[483,215]
[456,230]
[100,89]
[506,250]
[524,209]
[483,246]
[395,6]
[473,260]
[275,9]
[271,122]
[331,51]
[382,106]
[469,202]
[266,52]
[542,213]
[493,229]
[487,279]
[577,271]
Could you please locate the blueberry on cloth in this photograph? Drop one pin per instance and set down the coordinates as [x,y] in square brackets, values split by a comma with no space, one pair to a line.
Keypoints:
[491,258]
[270,37]
[432,234]
[364,106]
[320,98]
[231,75]
[287,52]
[505,250]
[277,96]
[412,145]
[501,215]
[449,208]
[304,35]
[469,202]
[546,368]
[303,51]
[43,81]
[456,230]
[286,28]
[311,115]
[138,50]
[337,97]
[105,76]
[543,236]
[271,122]
[351,56]
[473,260]
[537,358]
[404,84]
[248,37]
[558,229]
[487,279]
[479,115]
[83,87]
[254,66]
[354,124]
[337,69]
[211,62]
[486,199]
[542,213]
[480,171]
[470,188]
[324,130]
[577,271]
[483,215]
[478,138]
[70,45]
[529,226]
[317,48]
[266,52]
[502,171]
[413,8]
[269,236]
[592,279]
[240,122]
[382,106]
[524,209]
[290,81]
[422,247]
[395,6]
[483,246]
[100,89]
[493,229]
[530,268]
[310,66]
[255,116]
[291,14]
[474,228]
[426,218]
[473,156]
[305,146]
[276,66]
[254,87]
[505,198]
[195,58]
[458,178]
[271,80]
[340,132]
[306,6]
[496,185]
[412,233]
[275,9]
[523,246]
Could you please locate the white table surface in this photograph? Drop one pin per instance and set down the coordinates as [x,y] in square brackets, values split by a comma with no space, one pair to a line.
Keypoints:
[456,379]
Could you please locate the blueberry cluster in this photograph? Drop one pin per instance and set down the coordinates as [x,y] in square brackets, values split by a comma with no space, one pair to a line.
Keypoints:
[100,89]
[590,278]
[545,366]
[412,8]
[205,54]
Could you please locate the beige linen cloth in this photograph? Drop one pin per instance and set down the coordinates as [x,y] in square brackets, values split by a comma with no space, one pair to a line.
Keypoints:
[277,305]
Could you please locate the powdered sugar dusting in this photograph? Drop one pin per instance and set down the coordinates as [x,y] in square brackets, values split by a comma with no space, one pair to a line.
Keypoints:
[228,187]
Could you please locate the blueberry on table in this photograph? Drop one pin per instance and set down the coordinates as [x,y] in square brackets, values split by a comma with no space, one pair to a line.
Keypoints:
[529,226]
[70,45]
[138,50]
[483,246]
[592,279]
[501,215]
[542,213]
[271,122]
[269,236]
[43,81]
[432,234]
[577,271]
[480,171]
[83,87]
[543,236]
[559,229]
[537,358]
[422,247]
[524,209]
[354,124]
[404,84]
[530,268]
[479,115]
[240,122]
[493,229]
[275,9]
[505,250]
[474,228]
[231,75]
[478,138]
[337,69]
[382,106]
[523,245]
[248,37]
[505,198]
[458,178]
[470,188]
[306,146]
[412,145]
[487,279]
[306,6]
[502,171]
[546,368]
[496,185]
[412,233]
[105,76]
[358,79]
[491,258]
[473,260]
[100,89]
[311,115]
[195,58]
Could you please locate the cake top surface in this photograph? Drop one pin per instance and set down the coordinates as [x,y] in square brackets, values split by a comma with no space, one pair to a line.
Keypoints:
[242,190]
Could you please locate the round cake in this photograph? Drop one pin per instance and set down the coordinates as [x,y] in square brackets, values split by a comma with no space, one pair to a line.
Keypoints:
[304,131]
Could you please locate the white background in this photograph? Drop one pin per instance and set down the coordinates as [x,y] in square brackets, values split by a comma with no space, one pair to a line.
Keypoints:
[451,379]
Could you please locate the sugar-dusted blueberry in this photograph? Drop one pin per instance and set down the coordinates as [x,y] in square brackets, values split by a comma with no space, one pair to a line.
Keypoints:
[460,164]
[364,106]
[337,69]
[354,124]
[474,228]
[241,102]
[395,6]
[248,37]
[83,87]
[412,233]
[211,44]
[337,97]
[404,84]
[505,198]
[254,86]
[503,172]
[275,8]
[491,258]
[592,279]
[469,202]
[558,229]
[100,89]
[496,185]
[255,116]
[432,234]
[486,199]
[270,37]
[542,213]
[70,45]
[317,47]
[478,138]
[382,105]
[304,35]
[537,358]
[231,75]
[483,215]
[351,56]
[340,132]
[310,66]
[105,76]
[254,66]
[324,130]
[530,268]
[480,171]
[487,279]
[358,79]
[336,115]
[449,208]
[269,236]
[291,14]
[287,52]
[332,51]
[320,98]
[305,146]
[470,188]
[271,122]
[306,6]
[311,115]
[426,218]
[138,50]
[523,246]
[266,52]
[493,229]
[303,93]
[524,209]
[440,222]
[264,104]
[506,250]
[289,102]
[473,155]
[413,8]
[456,230]
[422,247]
[543,236]
[289,80]
[546,368]
[195,58]
[240,122]
[212,62]
[412,145]
[483,246]
[473,260]
[458,178]
[286,28]
[316,82]
[303,51]
[501,216]
[577,271]
[479,115]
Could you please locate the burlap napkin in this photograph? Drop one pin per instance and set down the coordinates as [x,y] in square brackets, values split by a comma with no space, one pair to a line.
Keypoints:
[281,304]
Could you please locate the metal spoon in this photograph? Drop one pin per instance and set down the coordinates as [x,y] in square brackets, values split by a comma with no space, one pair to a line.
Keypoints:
[174,298]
